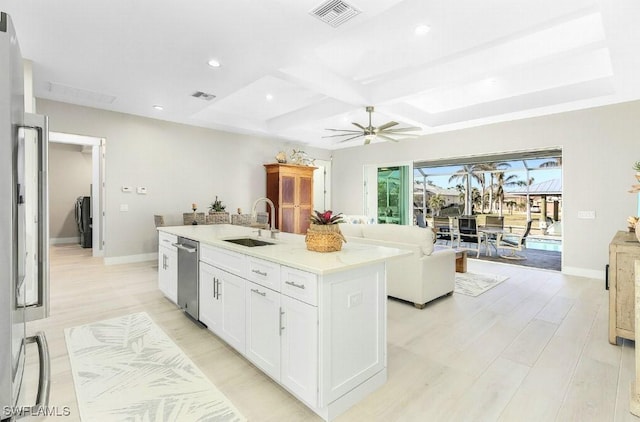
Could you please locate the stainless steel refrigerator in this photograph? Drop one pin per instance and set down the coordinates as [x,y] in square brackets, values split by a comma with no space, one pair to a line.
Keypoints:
[24,243]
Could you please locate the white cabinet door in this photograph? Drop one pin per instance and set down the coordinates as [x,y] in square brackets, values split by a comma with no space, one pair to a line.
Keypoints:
[221,301]
[168,272]
[232,295]
[299,352]
[210,306]
[263,328]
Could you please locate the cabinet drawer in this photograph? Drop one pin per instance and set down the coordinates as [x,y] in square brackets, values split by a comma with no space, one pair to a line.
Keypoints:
[263,272]
[300,285]
[230,261]
[166,239]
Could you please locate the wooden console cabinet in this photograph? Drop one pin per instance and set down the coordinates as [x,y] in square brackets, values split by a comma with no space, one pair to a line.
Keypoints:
[290,187]
[624,249]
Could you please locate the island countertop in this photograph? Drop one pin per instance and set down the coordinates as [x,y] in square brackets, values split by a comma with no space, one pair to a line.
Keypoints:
[288,249]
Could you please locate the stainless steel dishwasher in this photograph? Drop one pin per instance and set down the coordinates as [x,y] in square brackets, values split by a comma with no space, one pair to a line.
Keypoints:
[188,276]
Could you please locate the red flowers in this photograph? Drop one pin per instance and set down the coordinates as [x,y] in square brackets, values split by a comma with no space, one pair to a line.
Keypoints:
[325,217]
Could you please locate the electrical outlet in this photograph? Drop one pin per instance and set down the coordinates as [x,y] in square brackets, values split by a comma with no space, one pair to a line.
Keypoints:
[124,207]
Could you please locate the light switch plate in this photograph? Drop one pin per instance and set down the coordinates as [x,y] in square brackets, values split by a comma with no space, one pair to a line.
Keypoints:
[142,190]
[587,215]
[126,189]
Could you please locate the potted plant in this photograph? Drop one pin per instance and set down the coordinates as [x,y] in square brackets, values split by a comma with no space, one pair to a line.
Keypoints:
[636,167]
[217,213]
[324,234]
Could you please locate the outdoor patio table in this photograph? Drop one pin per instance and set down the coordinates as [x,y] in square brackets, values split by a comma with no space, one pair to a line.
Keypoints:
[490,233]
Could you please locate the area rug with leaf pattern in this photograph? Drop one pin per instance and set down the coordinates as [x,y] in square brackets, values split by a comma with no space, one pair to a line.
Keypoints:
[474,284]
[128,369]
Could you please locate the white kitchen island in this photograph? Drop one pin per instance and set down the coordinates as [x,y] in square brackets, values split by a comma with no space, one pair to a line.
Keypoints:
[314,322]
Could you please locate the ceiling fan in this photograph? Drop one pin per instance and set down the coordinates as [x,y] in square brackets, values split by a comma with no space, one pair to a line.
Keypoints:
[370,132]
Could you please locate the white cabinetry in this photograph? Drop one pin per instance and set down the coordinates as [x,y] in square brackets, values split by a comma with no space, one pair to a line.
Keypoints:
[299,349]
[282,331]
[222,304]
[168,266]
[321,336]
[263,328]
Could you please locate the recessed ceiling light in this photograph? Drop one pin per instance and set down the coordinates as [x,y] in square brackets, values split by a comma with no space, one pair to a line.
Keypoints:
[422,29]
[269,97]
[214,63]
[158,107]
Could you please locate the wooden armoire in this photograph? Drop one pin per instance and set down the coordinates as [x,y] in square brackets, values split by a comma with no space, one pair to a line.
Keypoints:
[290,187]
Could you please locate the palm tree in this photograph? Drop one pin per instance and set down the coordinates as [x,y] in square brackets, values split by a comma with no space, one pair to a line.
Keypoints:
[465,174]
[501,182]
[523,183]
[480,176]
[436,203]
[554,162]
[492,168]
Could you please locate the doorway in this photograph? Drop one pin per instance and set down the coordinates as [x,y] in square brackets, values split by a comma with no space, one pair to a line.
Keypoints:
[387,193]
[94,148]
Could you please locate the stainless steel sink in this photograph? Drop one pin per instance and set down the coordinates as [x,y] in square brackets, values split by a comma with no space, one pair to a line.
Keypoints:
[248,241]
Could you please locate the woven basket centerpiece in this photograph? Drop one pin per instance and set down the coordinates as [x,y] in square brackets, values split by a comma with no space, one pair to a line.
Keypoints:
[326,236]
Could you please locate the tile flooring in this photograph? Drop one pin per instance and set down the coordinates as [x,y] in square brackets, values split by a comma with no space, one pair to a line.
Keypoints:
[534,348]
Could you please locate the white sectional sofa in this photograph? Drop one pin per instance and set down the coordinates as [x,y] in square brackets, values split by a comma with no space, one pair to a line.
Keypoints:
[419,278]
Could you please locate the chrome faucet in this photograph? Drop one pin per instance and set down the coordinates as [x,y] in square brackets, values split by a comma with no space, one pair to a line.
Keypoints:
[272,208]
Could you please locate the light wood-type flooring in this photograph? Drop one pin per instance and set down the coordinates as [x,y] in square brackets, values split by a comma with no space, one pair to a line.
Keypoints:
[534,348]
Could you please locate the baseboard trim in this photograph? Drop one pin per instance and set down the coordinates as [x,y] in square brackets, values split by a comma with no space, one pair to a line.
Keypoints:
[63,240]
[583,272]
[128,259]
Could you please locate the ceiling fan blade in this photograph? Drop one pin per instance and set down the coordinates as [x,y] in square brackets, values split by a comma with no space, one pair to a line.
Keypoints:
[344,130]
[344,134]
[387,138]
[348,139]
[359,125]
[404,129]
[386,126]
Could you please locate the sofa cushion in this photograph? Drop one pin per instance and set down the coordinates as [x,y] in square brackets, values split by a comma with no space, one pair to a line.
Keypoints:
[400,234]
[351,230]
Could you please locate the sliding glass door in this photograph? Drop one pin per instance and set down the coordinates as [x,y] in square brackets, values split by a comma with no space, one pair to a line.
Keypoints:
[388,194]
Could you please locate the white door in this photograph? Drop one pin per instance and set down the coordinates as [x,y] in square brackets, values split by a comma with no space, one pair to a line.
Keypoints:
[210,306]
[263,328]
[322,185]
[232,294]
[299,353]
[171,264]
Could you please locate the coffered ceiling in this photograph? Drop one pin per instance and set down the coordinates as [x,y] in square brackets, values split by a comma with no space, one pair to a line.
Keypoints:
[284,73]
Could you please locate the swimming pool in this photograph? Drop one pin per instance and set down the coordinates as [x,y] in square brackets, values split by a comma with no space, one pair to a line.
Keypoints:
[544,244]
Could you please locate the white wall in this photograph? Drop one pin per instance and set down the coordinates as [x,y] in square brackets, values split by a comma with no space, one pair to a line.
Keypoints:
[178,164]
[599,147]
[69,177]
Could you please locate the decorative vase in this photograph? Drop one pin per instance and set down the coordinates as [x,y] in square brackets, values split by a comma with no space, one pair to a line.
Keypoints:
[638,230]
[324,238]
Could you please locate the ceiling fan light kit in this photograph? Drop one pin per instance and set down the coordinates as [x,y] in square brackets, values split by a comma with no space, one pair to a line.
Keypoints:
[371,132]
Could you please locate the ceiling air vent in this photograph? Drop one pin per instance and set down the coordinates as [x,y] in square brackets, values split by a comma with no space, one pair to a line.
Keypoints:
[334,12]
[78,94]
[203,95]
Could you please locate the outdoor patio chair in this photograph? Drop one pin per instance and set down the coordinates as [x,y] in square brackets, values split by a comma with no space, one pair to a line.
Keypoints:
[493,222]
[468,232]
[442,228]
[513,242]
